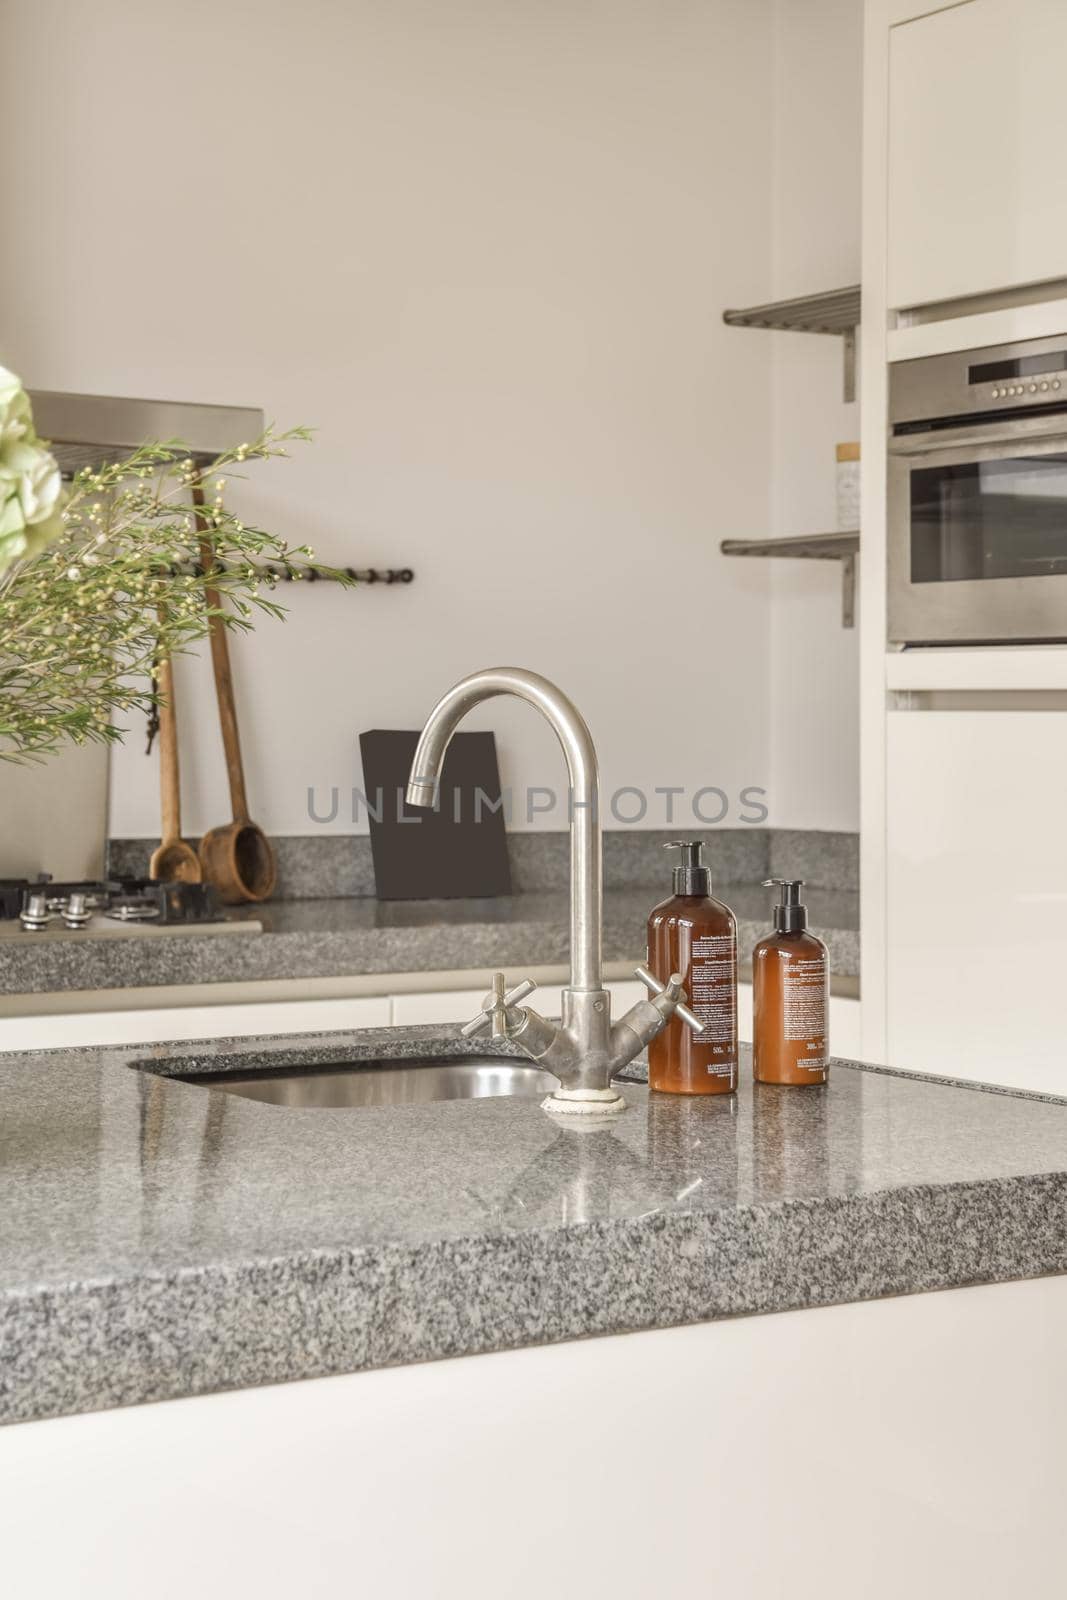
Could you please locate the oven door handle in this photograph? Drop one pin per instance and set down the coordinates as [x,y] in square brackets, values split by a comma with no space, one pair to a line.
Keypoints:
[942,442]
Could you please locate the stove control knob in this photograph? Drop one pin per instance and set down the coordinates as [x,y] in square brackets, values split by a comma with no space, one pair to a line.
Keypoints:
[76,913]
[35,914]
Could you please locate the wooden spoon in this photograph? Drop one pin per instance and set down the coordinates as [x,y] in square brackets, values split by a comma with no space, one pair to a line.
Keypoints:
[174,861]
[238,858]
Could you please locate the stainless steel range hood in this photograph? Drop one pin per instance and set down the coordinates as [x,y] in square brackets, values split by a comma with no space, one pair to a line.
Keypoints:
[88,430]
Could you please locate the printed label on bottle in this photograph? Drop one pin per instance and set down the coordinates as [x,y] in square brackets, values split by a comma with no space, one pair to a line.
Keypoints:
[713,980]
[804,1003]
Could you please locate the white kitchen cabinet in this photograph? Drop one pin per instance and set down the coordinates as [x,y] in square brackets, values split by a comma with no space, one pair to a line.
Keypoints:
[744,1012]
[845,1037]
[826,1454]
[459,1005]
[445,1005]
[977,895]
[80,1029]
[161,1024]
[977,129]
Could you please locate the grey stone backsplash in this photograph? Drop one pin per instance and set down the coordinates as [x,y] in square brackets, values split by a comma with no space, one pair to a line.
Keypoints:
[823,860]
[337,866]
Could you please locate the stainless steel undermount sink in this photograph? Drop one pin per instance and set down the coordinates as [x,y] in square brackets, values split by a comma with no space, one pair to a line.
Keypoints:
[402,1083]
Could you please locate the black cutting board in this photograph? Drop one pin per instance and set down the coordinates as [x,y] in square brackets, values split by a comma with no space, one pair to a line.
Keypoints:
[445,854]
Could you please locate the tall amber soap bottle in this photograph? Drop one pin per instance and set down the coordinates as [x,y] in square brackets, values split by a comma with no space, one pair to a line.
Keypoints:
[696,936]
[790,995]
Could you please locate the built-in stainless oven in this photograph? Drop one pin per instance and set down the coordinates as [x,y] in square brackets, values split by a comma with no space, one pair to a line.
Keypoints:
[978,496]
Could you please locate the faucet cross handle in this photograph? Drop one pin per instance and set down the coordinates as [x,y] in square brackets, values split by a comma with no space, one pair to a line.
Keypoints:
[672,991]
[496,1007]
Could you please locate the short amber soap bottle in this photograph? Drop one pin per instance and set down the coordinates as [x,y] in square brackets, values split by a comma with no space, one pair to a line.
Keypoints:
[696,936]
[790,994]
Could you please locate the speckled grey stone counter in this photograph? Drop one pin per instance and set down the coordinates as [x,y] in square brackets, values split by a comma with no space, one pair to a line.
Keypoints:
[342,938]
[164,1239]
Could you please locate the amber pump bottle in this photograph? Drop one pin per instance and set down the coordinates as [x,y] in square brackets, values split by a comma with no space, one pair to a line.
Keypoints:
[790,993]
[696,936]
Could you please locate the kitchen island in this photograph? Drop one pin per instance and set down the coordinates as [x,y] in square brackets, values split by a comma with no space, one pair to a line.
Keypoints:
[165,1238]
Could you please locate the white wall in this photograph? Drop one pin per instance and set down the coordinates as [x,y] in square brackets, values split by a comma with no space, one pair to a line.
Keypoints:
[814,716]
[484,247]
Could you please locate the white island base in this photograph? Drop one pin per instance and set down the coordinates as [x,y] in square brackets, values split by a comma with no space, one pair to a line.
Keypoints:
[912,1447]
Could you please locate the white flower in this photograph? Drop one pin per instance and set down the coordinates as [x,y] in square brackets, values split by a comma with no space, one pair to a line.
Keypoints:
[40,484]
[16,421]
[31,490]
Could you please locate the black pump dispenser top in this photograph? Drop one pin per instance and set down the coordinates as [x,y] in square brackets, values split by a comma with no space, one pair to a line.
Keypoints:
[789,915]
[690,876]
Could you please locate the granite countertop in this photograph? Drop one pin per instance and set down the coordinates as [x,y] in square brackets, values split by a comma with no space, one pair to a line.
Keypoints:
[165,1239]
[344,937]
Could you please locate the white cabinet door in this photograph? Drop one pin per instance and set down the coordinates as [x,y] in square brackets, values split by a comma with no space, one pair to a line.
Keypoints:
[459,1005]
[447,1005]
[977,133]
[744,1013]
[868,1409]
[845,1032]
[83,1029]
[977,895]
[624,994]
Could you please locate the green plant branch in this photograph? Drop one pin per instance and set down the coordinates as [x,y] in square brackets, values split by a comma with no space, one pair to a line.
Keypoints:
[84,623]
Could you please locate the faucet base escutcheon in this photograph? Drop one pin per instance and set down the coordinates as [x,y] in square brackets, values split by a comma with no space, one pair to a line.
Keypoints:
[584,1103]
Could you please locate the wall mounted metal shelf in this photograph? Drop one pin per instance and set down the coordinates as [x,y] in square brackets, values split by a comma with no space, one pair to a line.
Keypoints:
[843,547]
[836,311]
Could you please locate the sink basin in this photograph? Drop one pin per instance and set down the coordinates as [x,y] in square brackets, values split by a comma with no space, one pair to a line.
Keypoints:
[407,1083]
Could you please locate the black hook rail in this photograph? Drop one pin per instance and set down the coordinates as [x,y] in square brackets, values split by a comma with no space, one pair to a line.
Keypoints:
[357,574]
[283,574]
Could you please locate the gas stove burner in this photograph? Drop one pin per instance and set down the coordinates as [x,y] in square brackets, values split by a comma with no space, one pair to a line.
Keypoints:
[35,904]
[129,900]
[145,900]
[134,911]
[94,895]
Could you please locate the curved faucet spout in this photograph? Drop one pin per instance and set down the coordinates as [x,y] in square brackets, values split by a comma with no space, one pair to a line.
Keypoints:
[580,755]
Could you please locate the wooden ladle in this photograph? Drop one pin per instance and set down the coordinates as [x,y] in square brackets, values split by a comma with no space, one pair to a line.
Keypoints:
[238,858]
[174,861]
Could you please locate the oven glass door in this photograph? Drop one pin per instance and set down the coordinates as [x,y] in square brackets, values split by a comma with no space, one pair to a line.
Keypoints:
[978,543]
[982,520]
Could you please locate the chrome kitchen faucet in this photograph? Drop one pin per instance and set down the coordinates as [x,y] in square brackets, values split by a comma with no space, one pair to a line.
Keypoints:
[587,1049]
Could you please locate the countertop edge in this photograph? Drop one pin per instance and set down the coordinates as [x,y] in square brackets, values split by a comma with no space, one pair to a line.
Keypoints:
[159,1335]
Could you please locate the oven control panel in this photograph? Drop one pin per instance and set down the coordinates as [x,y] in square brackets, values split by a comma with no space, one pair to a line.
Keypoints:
[1024,376]
[939,393]
[1042,386]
